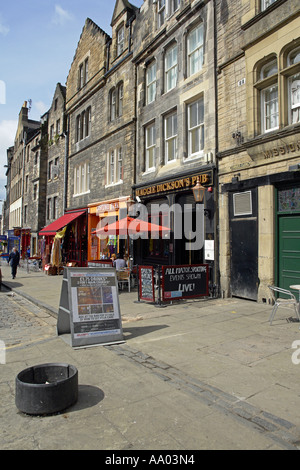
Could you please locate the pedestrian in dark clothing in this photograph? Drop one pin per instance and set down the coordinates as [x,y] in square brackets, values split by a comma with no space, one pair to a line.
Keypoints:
[13,260]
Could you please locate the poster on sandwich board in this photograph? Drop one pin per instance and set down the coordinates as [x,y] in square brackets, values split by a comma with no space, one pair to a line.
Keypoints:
[90,301]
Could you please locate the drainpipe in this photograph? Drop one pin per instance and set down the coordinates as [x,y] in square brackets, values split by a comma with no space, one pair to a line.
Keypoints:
[217,248]
[65,193]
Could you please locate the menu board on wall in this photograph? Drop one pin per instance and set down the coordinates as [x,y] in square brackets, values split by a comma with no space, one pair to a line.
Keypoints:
[146,283]
[93,305]
[184,281]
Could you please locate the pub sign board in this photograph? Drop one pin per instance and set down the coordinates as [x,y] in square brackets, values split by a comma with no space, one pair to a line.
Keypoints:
[146,283]
[184,282]
[92,304]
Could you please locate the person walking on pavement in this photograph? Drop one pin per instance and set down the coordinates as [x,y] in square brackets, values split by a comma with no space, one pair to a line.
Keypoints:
[13,259]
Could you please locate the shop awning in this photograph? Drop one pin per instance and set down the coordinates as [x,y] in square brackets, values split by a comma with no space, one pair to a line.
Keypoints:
[58,224]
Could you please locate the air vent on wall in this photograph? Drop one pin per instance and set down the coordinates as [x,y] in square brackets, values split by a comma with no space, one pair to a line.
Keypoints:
[242,203]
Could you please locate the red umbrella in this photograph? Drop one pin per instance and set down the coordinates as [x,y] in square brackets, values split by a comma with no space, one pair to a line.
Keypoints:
[130,226]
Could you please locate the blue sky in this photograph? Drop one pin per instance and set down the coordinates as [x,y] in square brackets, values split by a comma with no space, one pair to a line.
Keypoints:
[38,40]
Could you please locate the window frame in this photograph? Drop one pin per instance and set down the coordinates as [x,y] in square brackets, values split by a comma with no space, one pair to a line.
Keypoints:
[150,146]
[115,166]
[151,82]
[192,129]
[168,70]
[81,179]
[199,47]
[172,138]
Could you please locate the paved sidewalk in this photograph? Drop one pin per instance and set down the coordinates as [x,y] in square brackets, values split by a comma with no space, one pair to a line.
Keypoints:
[204,374]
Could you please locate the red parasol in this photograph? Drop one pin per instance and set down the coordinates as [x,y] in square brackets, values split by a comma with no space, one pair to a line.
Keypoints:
[130,226]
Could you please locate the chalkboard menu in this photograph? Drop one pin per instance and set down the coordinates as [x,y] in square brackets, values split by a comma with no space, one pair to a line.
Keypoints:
[146,283]
[184,281]
[89,306]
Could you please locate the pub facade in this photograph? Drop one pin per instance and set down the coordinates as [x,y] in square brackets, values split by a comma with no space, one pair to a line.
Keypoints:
[176,140]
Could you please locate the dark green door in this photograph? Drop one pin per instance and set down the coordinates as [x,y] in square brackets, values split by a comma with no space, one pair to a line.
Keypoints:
[289,251]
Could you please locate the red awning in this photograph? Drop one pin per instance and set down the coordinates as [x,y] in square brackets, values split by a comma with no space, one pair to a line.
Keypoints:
[58,224]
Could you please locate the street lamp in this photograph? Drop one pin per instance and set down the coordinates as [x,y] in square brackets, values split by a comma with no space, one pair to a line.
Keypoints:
[198,191]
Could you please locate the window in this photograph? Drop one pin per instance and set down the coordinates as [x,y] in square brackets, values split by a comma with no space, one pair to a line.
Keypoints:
[150,143]
[151,83]
[25,214]
[55,207]
[51,132]
[120,164]
[171,68]
[266,3]
[58,127]
[81,179]
[269,97]
[83,125]
[120,40]
[49,212]
[116,102]
[50,165]
[195,50]
[294,88]
[36,158]
[166,8]
[195,128]
[170,138]
[83,74]
[115,166]
[35,191]
[161,11]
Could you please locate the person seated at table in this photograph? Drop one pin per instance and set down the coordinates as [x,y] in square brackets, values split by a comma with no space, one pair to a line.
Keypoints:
[126,261]
[119,263]
[113,258]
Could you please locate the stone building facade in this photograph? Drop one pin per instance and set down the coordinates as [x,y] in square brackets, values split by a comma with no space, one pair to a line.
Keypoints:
[34,189]
[101,123]
[56,143]
[259,145]
[176,139]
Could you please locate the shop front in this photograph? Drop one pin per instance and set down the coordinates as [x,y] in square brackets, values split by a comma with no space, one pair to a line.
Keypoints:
[64,241]
[260,220]
[101,214]
[171,202]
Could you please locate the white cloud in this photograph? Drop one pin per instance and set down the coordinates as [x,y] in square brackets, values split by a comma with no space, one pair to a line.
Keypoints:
[61,16]
[3,28]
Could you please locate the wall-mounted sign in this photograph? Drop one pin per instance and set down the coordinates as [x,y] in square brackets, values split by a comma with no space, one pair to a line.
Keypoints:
[109,207]
[89,306]
[146,283]
[184,281]
[178,184]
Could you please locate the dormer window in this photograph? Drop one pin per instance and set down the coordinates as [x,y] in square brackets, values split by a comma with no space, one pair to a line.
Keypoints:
[83,74]
[120,40]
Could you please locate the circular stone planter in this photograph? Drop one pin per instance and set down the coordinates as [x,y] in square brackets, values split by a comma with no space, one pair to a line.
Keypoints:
[46,388]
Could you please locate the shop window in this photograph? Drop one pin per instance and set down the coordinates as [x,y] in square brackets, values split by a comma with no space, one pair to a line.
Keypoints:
[150,147]
[157,248]
[195,50]
[195,120]
[171,68]
[151,82]
[170,129]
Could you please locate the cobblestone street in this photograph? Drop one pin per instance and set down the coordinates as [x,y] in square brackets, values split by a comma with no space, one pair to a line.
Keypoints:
[23,323]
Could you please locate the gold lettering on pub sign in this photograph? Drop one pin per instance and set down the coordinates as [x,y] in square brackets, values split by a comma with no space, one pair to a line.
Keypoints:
[173,185]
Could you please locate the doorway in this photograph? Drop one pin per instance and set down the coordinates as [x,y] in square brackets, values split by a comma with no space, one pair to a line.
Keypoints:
[243,227]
